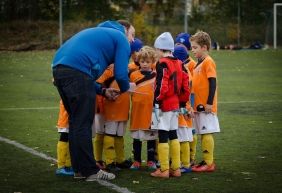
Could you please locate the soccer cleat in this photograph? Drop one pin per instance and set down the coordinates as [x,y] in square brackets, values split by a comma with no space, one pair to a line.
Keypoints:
[100,175]
[151,165]
[159,174]
[135,166]
[203,167]
[186,170]
[125,164]
[112,167]
[101,164]
[175,173]
[65,171]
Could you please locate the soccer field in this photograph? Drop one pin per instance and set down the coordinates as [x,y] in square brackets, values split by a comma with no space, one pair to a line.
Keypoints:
[247,151]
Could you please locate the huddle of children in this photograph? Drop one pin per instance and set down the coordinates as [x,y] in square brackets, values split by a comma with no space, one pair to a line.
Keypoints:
[174,100]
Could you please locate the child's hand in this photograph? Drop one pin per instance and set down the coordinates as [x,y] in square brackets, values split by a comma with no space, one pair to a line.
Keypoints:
[112,94]
[208,108]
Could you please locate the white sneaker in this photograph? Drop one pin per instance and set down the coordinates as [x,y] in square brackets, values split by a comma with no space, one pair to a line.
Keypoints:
[101,175]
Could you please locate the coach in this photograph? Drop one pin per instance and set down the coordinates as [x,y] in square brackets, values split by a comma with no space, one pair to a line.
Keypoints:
[76,66]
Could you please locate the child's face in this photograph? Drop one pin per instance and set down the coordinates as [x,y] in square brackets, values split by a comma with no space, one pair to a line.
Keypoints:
[146,64]
[134,56]
[198,51]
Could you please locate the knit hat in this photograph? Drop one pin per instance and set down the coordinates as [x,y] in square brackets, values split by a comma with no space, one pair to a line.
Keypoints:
[136,45]
[183,38]
[164,42]
[180,53]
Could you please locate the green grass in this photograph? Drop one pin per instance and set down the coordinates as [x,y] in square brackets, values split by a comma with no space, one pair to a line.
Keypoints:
[247,153]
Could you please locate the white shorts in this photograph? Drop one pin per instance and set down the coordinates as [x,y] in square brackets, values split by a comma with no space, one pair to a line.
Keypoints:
[165,121]
[115,127]
[185,134]
[99,125]
[144,135]
[206,123]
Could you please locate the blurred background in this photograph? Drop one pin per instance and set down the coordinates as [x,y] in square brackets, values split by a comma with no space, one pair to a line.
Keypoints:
[232,24]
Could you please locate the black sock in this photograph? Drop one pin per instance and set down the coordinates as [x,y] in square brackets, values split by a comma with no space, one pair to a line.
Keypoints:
[137,147]
[151,150]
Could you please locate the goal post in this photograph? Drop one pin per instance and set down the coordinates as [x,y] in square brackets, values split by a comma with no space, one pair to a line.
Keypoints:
[275,5]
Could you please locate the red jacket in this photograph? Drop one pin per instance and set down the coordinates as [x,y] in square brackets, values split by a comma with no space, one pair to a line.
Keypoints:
[172,84]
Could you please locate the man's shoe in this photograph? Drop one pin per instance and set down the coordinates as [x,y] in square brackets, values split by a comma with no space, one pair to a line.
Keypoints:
[125,164]
[65,171]
[203,167]
[186,170]
[101,175]
[151,165]
[159,174]
[175,173]
[135,166]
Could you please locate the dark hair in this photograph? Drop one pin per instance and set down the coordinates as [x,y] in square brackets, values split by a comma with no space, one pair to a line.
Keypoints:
[125,23]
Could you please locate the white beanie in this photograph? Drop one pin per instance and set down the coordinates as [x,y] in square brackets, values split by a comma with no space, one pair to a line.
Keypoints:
[164,42]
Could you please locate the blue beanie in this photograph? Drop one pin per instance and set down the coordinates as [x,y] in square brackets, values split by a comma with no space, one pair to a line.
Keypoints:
[183,38]
[180,53]
[136,45]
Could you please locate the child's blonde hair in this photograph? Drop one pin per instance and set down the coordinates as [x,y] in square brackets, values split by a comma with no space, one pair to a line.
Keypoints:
[202,38]
[147,52]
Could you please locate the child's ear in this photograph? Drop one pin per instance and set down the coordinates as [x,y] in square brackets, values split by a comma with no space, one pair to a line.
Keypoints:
[205,47]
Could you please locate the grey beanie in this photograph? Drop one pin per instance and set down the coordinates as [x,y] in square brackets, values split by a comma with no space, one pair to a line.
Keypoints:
[164,42]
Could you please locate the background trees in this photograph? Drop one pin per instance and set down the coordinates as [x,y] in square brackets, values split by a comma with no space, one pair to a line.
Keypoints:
[150,17]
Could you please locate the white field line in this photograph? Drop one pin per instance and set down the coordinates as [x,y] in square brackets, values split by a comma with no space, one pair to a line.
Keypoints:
[46,157]
[52,108]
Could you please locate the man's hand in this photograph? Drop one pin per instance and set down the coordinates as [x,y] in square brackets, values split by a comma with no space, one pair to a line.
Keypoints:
[112,93]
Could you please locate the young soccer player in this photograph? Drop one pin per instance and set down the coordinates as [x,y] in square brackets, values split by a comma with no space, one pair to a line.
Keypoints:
[63,153]
[171,89]
[142,106]
[135,46]
[98,132]
[116,114]
[182,40]
[185,126]
[205,91]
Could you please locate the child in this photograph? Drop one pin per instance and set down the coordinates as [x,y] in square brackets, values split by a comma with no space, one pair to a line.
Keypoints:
[185,126]
[116,114]
[135,46]
[205,107]
[63,153]
[98,132]
[171,89]
[182,42]
[142,106]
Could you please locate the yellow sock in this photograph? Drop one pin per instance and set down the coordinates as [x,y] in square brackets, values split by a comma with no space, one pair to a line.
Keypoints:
[208,148]
[98,143]
[193,147]
[109,149]
[163,152]
[68,159]
[185,154]
[62,149]
[119,148]
[175,154]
